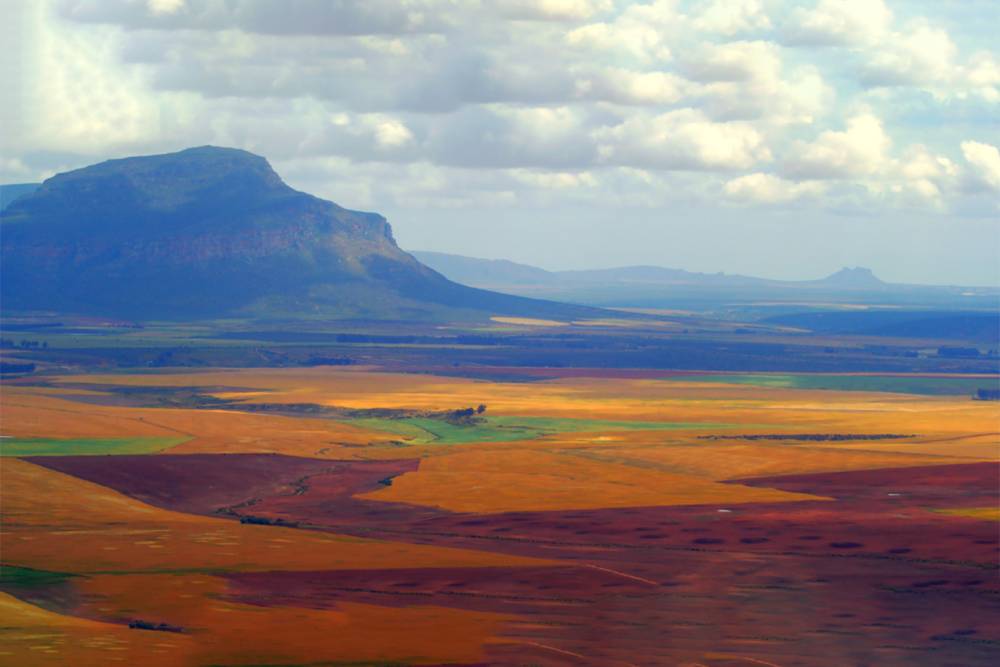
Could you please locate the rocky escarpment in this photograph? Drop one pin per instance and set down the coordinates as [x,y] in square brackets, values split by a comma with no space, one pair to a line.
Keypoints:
[207,232]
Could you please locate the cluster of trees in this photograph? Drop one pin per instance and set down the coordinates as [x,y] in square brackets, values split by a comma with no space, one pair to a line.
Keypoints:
[468,413]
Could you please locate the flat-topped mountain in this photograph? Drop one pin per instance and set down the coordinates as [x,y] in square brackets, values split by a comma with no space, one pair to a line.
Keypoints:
[210,232]
[856,278]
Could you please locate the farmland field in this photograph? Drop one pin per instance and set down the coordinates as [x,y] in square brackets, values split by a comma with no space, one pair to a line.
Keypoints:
[363,516]
[914,384]
[83,446]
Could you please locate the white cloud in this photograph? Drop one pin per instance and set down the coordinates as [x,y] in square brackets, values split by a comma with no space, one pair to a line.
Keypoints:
[748,80]
[920,172]
[624,86]
[641,31]
[627,101]
[729,17]
[734,61]
[561,180]
[768,189]
[164,6]
[860,150]
[922,54]
[392,133]
[837,22]
[985,159]
[682,139]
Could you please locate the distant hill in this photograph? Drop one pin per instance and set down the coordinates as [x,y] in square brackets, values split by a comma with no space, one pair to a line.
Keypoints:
[660,287]
[500,273]
[856,278]
[472,271]
[214,232]
[8,193]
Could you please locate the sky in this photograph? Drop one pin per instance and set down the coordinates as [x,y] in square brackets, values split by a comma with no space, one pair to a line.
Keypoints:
[766,137]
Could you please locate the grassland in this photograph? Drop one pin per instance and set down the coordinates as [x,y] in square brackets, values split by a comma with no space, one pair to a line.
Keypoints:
[421,430]
[26,577]
[84,446]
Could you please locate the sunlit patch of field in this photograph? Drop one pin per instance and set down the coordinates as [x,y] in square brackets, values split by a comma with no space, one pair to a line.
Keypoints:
[34,637]
[529,321]
[84,446]
[680,399]
[631,324]
[487,481]
[977,446]
[28,415]
[906,384]
[419,430]
[984,513]
[53,521]
[723,460]
[232,633]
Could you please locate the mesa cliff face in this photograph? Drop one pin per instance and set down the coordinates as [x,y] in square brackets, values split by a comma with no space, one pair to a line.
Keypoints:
[210,232]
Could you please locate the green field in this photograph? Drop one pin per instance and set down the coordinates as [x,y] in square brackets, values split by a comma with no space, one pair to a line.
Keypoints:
[25,577]
[424,430]
[927,386]
[84,446]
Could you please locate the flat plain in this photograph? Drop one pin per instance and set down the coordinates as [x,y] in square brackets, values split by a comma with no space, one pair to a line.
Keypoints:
[354,515]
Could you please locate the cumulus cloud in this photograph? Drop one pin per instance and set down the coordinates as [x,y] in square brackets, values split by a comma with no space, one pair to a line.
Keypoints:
[731,17]
[500,137]
[921,54]
[641,31]
[837,22]
[925,174]
[734,61]
[768,189]
[682,139]
[985,161]
[753,99]
[859,150]
[164,6]
[631,87]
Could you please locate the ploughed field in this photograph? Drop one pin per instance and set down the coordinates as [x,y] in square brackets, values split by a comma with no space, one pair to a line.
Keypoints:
[351,516]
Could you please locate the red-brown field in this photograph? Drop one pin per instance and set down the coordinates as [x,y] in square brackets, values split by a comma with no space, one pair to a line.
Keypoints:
[607,546]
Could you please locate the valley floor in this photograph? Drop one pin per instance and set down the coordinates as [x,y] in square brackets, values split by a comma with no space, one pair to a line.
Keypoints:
[351,515]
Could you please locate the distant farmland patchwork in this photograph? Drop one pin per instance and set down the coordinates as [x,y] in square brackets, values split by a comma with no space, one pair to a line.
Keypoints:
[579,520]
[914,384]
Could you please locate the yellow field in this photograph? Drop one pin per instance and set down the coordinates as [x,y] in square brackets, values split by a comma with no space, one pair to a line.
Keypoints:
[984,513]
[529,321]
[561,471]
[525,480]
[53,521]
[236,633]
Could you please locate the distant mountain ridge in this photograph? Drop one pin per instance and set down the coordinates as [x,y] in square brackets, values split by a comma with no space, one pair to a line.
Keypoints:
[10,192]
[474,271]
[214,232]
[726,295]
